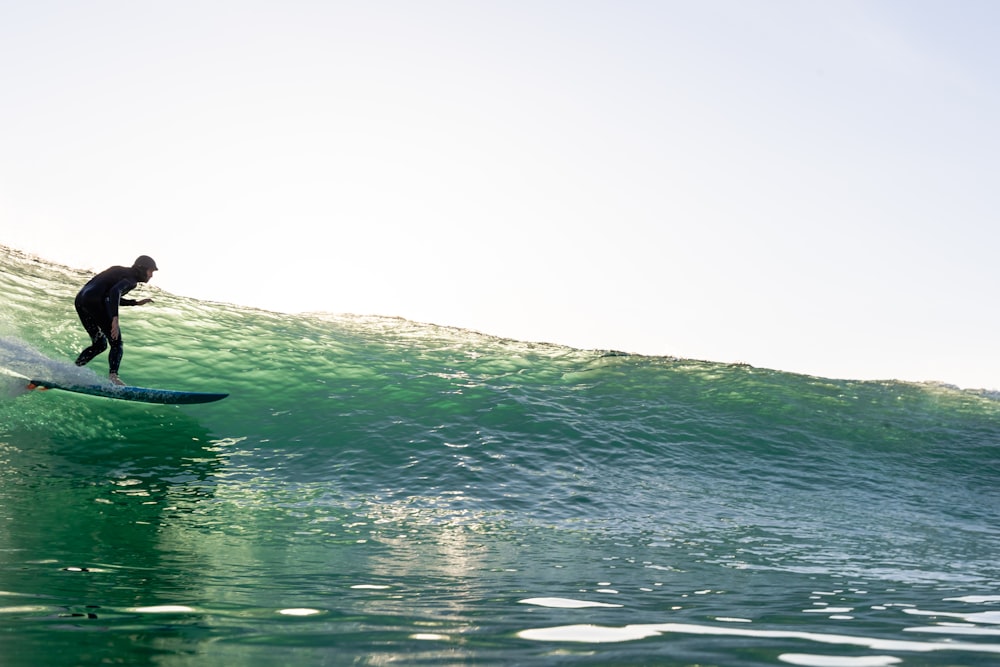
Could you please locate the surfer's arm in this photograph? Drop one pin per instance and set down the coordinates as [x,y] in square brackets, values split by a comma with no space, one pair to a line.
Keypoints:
[116,296]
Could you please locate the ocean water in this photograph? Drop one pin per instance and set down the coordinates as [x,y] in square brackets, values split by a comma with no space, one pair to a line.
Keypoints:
[379,491]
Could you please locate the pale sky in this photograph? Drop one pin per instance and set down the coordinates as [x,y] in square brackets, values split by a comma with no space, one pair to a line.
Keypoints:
[806,186]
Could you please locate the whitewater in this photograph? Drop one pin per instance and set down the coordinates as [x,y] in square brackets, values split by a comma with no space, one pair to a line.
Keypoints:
[377,491]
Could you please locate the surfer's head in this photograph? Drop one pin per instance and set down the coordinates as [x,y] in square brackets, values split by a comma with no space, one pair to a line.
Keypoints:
[145,265]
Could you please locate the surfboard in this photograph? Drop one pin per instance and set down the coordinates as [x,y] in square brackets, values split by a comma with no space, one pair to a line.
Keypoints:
[141,394]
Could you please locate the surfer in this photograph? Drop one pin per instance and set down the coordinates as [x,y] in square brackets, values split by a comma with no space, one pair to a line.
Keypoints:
[97,305]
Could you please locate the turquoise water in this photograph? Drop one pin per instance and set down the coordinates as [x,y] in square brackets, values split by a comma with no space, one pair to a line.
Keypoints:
[376,490]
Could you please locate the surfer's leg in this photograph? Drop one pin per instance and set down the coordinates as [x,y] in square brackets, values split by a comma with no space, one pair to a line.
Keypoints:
[115,355]
[115,360]
[91,352]
[99,341]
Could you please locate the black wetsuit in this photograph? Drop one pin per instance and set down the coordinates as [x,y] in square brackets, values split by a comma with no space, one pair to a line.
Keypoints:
[97,305]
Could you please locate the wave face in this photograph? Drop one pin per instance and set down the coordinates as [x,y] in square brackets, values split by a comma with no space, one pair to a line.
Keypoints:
[376,489]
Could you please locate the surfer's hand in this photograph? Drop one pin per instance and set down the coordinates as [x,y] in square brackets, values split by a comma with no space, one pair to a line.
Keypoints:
[143,302]
[115,331]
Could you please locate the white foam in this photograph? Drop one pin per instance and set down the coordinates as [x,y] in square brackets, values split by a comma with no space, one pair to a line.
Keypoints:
[992,617]
[566,603]
[809,660]
[22,609]
[590,634]
[602,634]
[955,629]
[299,611]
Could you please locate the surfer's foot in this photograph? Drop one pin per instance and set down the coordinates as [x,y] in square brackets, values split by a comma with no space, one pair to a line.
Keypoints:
[115,380]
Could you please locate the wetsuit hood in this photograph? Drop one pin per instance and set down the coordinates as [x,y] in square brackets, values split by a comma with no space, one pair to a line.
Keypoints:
[144,262]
